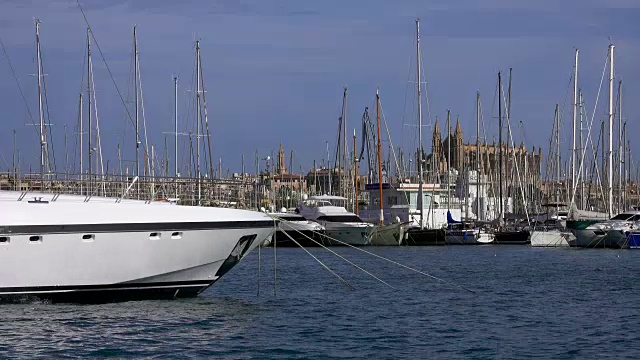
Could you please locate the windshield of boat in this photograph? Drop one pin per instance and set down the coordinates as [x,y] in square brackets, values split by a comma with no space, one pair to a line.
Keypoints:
[340,218]
[318,203]
[627,217]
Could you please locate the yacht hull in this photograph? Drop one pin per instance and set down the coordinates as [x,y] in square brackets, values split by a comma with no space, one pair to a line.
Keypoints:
[159,262]
[617,239]
[339,234]
[588,238]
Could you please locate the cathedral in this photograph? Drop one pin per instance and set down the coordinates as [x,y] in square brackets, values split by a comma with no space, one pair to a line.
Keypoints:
[464,156]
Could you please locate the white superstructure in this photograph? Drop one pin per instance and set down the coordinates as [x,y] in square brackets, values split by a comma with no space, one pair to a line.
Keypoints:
[64,248]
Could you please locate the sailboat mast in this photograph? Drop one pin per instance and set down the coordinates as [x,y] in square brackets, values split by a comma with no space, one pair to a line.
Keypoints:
[610,154]
[448,159]
[500,142]
[620,142]
[556,119]
[43,140]
[508,172]
[344,144]
[80,139]
[198,120]
[135,81]
[90,132]
[379,158]
[581,169]
[575,115]
[478,155]
[175,122]
[420,160]
[355,172]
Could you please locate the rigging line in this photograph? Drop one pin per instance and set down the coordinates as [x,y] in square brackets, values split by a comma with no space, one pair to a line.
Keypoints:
[144,119]
[15,77]
[105,63]
[50,142]
[514,159]
[318,260]
[393,151]
[331,251]
[399,264]
[404,106]
[426,89]
[206,121]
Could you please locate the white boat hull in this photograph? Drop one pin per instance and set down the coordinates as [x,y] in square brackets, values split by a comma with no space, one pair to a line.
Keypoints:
[80,260]
[551,238]
[355,234]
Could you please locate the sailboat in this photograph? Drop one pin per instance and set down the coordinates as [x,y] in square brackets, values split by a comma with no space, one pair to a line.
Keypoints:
[418,234]
[552,232]
[460,233]
[590,228]
[384,234]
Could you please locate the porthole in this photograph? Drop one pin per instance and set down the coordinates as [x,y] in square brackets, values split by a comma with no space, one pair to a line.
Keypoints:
[35,238]
[154,236]
[88,237]
[176,235]
[4,239]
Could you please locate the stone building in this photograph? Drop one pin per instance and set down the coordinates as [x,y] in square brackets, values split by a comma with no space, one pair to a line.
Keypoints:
[464,155]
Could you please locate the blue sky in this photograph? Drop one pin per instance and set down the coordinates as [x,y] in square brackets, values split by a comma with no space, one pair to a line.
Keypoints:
[274,70]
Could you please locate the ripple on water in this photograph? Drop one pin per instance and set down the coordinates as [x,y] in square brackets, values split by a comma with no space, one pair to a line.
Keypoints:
[527,303]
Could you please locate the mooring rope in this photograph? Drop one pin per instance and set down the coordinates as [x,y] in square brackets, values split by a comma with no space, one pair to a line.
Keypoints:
[383,258]
[318,260]
[336,254]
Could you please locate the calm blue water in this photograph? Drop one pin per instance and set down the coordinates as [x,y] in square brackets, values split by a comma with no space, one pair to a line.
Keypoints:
[545,303]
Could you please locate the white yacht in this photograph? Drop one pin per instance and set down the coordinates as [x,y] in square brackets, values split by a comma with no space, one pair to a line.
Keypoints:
[341,226]
[303,232]
[604,234]
[72,248]
[622,234]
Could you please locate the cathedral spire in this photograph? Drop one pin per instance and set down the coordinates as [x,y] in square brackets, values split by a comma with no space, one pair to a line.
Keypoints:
[458,130]
[282,167]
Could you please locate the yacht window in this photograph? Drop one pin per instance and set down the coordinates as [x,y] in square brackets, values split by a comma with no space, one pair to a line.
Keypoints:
[35,238]
[290,217]
[4,239]
[88,237]
[340,218]
[154,236]
[176,235]
[635,217]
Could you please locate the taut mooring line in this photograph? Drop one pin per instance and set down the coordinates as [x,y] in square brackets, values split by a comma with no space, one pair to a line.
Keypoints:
[320,262]
[392,261]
